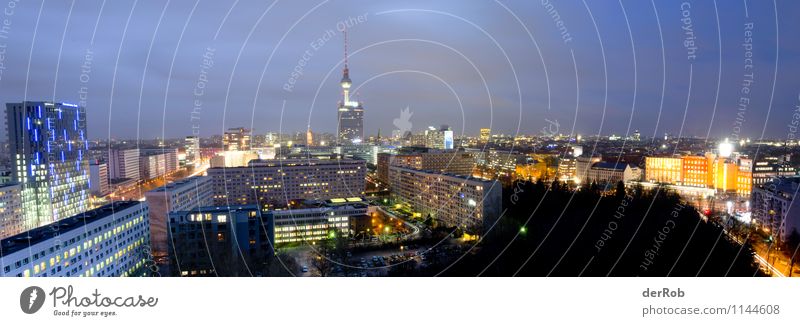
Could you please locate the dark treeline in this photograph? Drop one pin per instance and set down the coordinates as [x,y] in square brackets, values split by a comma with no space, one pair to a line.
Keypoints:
[672,240]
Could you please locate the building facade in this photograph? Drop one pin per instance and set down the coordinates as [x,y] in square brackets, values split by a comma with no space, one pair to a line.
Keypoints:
[98,179]
[49,149]
[310,224]
[276,182]
[123,164]
[449,161]
[452,200]
[183,195]
[220,241]
[12,221]
[774,206]
[112,240]
[236,139]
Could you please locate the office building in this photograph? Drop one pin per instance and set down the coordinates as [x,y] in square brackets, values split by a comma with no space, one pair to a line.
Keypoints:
[663,170]
[112,240]
[448,161]
[236,139]
[220,241]
[452,200]
[317,221]
[183,195]
[191,147]
[582,165]
[12,221]
[98,179]
[171,163]
[123,164]
[48,145]
[775,208]
[276,182]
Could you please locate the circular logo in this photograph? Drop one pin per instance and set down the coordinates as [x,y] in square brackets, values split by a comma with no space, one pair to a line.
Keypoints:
[31,299]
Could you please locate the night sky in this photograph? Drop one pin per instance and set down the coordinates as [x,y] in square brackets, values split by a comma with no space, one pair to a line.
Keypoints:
[469,64]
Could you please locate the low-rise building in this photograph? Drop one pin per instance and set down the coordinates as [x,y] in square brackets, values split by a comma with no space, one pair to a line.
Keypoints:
[183,195]
[219,241]
[316,221]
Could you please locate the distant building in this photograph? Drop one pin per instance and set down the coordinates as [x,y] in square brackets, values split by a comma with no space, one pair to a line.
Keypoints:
[171,163]
[485,135]
[12,221]
[452,200]
[609,173]
[775,206]
[663,170]
[220,241]
[112,240]
[183,195]
[316,222]
[98,179]
[124,164]
[276,182]
[236,139]
[350,114]
[49,146]
[450,161]
[191,147]
[232,159]
[582,165]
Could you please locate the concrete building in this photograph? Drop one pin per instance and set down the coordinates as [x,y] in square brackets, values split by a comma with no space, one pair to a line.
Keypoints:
[775,207]
[191,147]
[663,170]
[447,161]
[485,135]
[98,179]
[609,173]
[112,240]
[315,222]
[452,200]
[582,165]
[49,149]
[276,182]
[171,163]
[220,241]
[182,195]
[12,221]
[232,159]
[124,164]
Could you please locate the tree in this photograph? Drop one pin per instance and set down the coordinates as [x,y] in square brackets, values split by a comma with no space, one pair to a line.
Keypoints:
[620,193]
[793,242]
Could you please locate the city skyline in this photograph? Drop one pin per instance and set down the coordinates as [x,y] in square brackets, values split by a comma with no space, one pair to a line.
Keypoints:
[155,85]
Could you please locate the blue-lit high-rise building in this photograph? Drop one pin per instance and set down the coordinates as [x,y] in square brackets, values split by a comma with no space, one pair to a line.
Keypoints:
[49,146]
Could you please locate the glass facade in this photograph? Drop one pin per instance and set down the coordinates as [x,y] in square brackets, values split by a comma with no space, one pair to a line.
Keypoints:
[49,144]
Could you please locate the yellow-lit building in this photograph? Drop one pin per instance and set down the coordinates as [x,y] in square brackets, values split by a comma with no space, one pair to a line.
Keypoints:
[697,171]
[664,169]
[725,172]
[486,133]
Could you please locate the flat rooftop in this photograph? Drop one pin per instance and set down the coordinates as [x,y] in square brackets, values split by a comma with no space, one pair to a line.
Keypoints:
[35,236]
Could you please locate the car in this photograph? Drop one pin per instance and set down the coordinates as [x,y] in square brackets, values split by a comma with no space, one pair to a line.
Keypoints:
[305,269]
